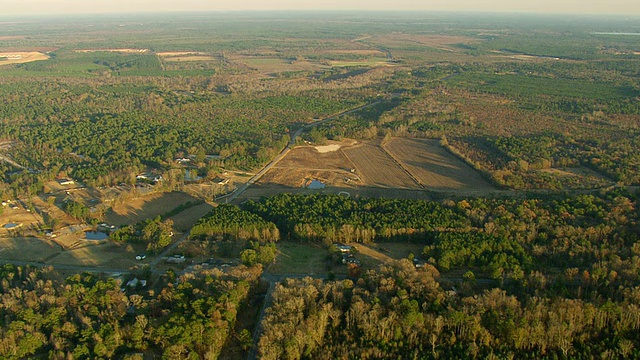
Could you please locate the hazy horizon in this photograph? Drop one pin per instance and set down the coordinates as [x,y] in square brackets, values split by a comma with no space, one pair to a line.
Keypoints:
[70,7]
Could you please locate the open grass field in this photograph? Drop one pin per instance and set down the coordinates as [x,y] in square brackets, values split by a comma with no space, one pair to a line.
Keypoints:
[105,254]
[123,51]
[184,220]
[275,65]
[190,58]
[411,41]
[27,249]
[373,62]
[377,168]
[148,207]
[182,56]
[434,167]
[18,57]
[294,258]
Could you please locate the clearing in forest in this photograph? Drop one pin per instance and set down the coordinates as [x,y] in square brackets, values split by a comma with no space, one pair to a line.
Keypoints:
[325,163]
[434,167]
[376,168]
[18,57]
[269,65]
[178,56]
[124,51]
[440,42]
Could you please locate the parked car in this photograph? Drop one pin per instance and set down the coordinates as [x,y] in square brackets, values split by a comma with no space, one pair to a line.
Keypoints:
[141,257]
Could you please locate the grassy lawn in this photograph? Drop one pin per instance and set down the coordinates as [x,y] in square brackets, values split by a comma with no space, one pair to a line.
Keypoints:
[294,258]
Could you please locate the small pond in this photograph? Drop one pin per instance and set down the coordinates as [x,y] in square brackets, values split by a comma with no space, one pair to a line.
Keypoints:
[95,235]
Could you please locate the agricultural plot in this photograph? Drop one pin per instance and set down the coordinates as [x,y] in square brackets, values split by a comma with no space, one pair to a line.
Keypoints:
[327,164]
[181,56]
[21,57]
[269,65]
[377,168]
[434,167]
[122,51]
[373,62]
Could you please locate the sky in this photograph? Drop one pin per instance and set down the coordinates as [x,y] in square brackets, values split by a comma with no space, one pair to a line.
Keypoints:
[44,7]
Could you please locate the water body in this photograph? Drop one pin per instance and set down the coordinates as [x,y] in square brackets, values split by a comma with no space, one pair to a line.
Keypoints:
[95,235]
[11,225]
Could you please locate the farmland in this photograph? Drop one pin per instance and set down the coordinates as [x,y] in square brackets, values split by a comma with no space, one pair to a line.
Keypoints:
[21,57]
[434,167]
[399,165]
[376,168]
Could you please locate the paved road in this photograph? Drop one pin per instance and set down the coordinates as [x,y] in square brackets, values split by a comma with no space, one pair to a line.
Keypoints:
[288,148]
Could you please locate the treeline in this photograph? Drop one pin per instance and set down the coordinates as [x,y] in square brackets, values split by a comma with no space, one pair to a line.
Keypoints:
[86,317]
[591,240]
[156,233]
[227,231]
[227,222]
[335,218]
[400,312]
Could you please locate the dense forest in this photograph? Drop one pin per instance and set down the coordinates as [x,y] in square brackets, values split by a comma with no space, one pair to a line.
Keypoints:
[87,317]
[404,313]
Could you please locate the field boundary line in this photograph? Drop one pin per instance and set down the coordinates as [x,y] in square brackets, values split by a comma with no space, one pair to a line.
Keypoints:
[401,165]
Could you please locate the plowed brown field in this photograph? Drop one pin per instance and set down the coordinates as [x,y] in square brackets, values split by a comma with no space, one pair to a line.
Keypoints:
[377,168]
[434,167]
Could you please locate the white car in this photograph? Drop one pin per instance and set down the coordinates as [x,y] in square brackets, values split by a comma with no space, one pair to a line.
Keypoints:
[141,257]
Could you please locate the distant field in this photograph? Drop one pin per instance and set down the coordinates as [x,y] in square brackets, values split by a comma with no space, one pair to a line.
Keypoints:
[369,62]
[179,53]
[402,41]
[189,58]
[359,52]
[434,167]
[376,168]
[177,56]
[126,51]
[274,64]
[21,57]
